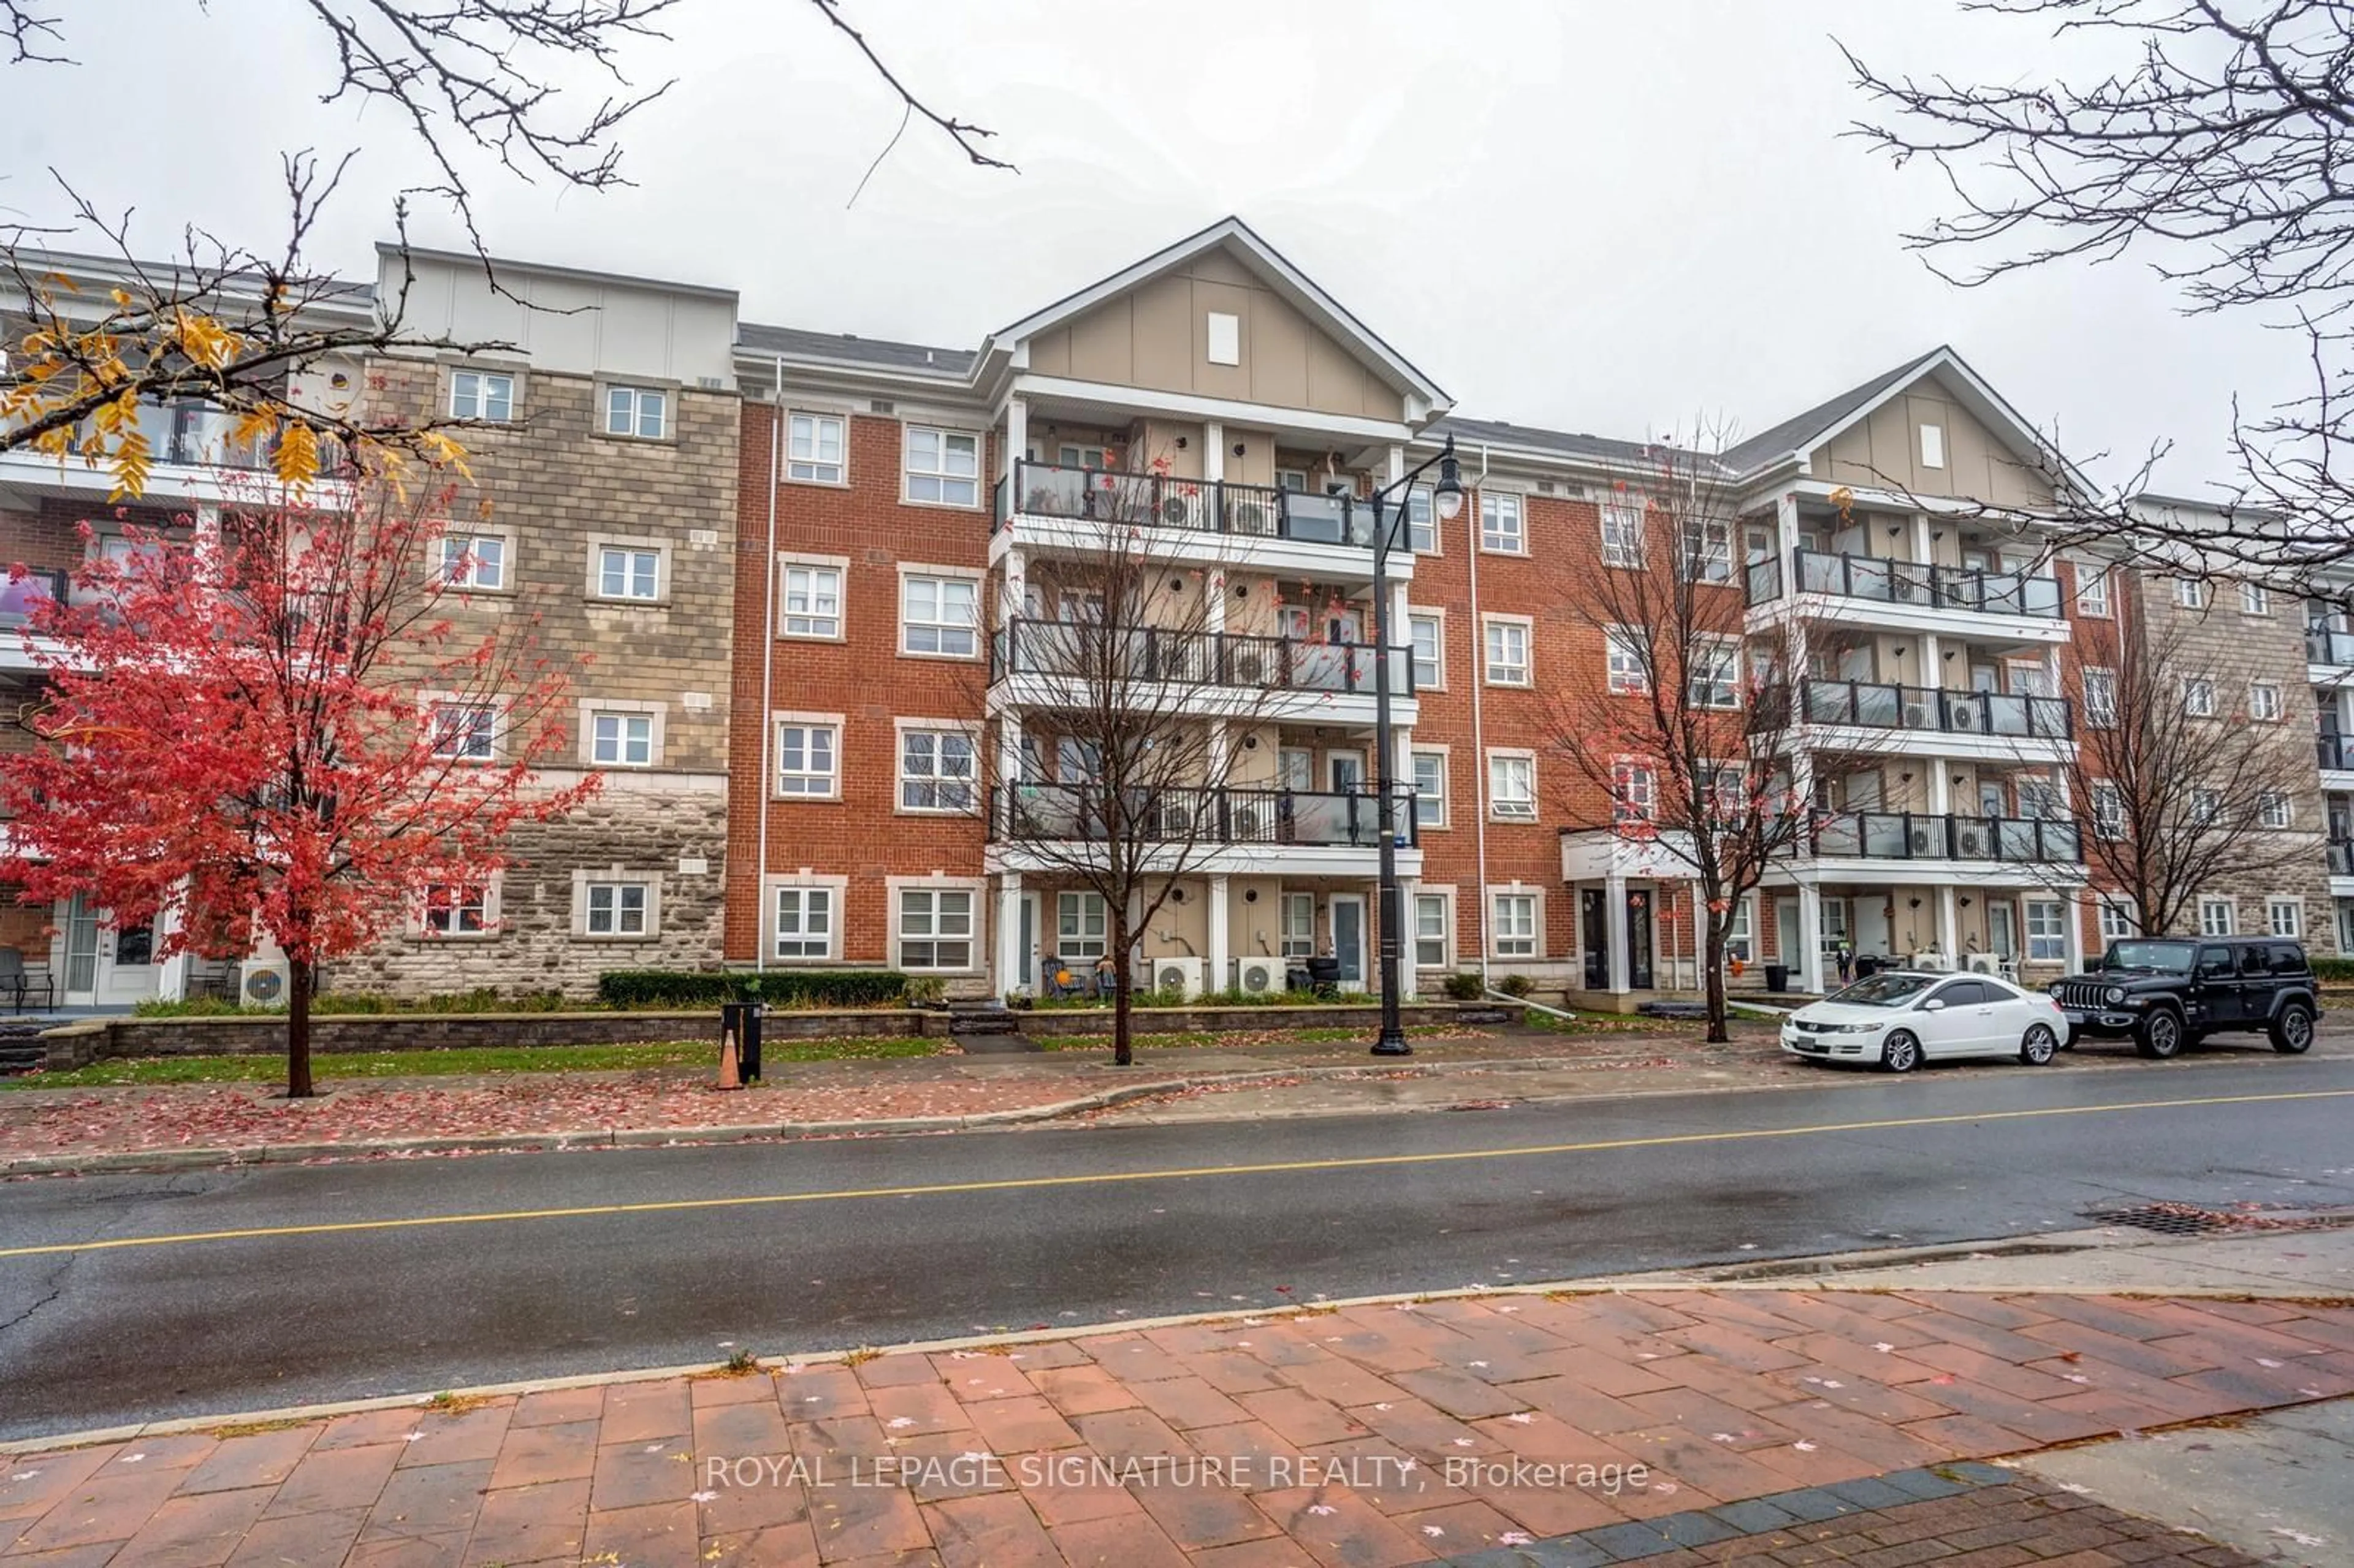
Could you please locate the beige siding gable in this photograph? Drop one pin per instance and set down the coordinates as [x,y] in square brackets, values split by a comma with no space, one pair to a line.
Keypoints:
[1885,450]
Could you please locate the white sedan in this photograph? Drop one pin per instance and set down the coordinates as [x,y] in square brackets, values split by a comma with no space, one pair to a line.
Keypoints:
[1901,1018]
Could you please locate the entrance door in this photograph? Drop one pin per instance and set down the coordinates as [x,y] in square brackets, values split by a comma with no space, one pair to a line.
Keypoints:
[1594,936]
[1348,771]
[105,967]
[1348,911]
[81,923]
[2000,935]
[1638,941]
[1033,954]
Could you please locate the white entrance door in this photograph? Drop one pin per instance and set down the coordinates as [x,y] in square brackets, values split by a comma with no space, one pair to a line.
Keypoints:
[1348,771]
[1348,911]
[1032,949]
[104,967]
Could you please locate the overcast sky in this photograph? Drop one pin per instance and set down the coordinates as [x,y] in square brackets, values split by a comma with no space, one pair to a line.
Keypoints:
[1614,217]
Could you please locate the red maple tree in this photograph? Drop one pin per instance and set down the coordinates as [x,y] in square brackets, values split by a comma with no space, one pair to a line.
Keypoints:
[284,725]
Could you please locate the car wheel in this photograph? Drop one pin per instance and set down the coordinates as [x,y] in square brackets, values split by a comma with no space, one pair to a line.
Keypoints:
[2161,1036]
[2039,1046]
[2292,1031]
[1901,1052]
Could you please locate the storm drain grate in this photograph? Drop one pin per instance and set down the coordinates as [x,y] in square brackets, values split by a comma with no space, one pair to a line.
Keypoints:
[2190,1220]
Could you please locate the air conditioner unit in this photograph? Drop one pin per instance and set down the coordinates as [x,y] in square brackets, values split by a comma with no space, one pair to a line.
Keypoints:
[1252,517]
[1983,964]
[1918,713]
[1179,510]
[1259,977]
[1922,840]
[1971,841]
[1248,667]
[1183,976]
[1248,823]
[264,984]
[1962,715]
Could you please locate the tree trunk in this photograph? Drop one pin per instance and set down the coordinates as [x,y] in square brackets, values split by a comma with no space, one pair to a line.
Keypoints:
[298,1032]
[1713,941]
[1123,1052]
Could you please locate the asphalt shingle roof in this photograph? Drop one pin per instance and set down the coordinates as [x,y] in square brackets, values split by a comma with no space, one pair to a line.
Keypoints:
[844,348]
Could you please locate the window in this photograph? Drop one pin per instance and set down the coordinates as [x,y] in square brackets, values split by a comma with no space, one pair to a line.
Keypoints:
[2206,806]
[1634,792]
[2047,931]
[456,911]
[1430,788]
[2117,920]
[935,929]
[618,908]
[1708,551]
[1723,791]
[2217,917]
[2108,812]
[1421,524]
[943,466]
[474,561]
[2042,799]
[479,395]
[2198,697]
[2099,697]
[2273,809]
[1622,649]
[1739,944]
[621,741]
[1428,634]
[1932,446]
[807,760]
[804,923]
[2286,917]
[1223,336]
[1082,926]
[2189,593]
[1508,652]
[1500,524]
[813,604]
[1515,926]
[2093,591]
[1430,931]
[939,617]
[2264,702]
[1715,678]
[1299,925]
[935,770]
[1294,480]
[2256,599]
[640,411]
[465,732]
[1622,534]
[1512,787]
[813,449]
[623,572]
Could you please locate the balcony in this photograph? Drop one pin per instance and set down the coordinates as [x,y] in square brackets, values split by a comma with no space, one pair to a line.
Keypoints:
[2335,753]
[1051,504]
[193,447]
[1907,835]
[2019,597]
[1058,664]
[2341,857]
[1226,829]
[18,599]
[2007,715]
[2323,646]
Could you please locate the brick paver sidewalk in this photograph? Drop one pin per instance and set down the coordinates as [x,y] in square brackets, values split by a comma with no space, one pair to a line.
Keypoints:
[1352,1438]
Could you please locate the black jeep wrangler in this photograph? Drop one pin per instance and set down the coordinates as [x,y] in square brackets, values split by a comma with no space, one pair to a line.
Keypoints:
[2166,993]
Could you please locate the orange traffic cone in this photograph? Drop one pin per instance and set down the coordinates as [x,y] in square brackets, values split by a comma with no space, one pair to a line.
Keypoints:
[730,1073]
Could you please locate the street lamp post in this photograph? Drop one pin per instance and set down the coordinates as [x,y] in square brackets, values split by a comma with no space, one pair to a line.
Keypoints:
[1446,501]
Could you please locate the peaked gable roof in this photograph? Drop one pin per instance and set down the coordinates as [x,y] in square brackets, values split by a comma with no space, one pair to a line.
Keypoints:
[1803,432]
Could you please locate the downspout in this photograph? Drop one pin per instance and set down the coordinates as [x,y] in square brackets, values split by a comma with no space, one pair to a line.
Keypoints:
[768,661]
[1477,675]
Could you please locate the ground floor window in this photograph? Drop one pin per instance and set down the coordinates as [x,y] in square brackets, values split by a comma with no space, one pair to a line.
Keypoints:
[617,909]
[1516,926]
[805,923]
[935,929]
[456,911]
[1740,944]
[2117,920]
[1430,931]
[1835,927]
[2287,916]
[1081,925]
[1299,925]
[2047,930]
[2217,918]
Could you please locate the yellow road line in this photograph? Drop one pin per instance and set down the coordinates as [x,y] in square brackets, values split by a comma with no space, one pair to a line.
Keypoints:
[1181,1173]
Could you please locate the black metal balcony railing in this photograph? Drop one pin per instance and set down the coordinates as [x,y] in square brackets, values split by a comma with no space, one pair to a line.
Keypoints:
[2341,857]
[1908,582]
[1079,650]
[1907,835]
[17,599]
[1875,706]
[2323,646]
[1197,505]
[1349,819]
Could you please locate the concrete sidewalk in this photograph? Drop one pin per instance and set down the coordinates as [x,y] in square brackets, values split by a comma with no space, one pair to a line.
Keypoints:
[1669,1425]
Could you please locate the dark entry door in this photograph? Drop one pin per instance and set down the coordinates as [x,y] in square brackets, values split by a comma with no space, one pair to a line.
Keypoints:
[1638,941]
[1593,937]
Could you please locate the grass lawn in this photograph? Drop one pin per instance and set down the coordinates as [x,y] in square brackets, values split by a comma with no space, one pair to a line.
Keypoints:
[437,1063]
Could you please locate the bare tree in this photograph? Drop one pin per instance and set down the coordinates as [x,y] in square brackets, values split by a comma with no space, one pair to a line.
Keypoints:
[1134,777]
[2219,149]
[1686,742]
[2182,788]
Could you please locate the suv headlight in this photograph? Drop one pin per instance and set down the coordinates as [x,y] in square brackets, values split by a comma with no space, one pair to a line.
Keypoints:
[2114,995]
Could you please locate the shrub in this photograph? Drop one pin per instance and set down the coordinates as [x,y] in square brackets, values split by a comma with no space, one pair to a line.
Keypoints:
[2340,971]
[1465,986]
[781,987]
[354,1004]
[1517,986]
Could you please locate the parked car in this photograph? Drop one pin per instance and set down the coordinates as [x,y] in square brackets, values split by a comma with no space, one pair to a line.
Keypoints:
[1898,1019]
[2166,993]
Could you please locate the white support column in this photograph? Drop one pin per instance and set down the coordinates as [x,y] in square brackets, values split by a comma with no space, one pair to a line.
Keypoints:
[1219,979]
[1614,926]
[2075,933]
[172,974]
[1810,940]
[1949,927]
[1017,437]
[1213,451]
[1012,587]
[1922,545]
[1009,767]
[1013,963]
[1406,886]
[1940,786]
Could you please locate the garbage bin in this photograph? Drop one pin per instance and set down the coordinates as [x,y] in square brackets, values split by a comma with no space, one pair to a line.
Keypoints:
[1866,966]
[1777,977]
[742,1019]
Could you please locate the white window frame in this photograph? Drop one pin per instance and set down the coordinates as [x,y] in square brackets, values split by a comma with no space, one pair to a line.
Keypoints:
[2285,904]
[1429,810]
[2265,702]
[469,576]
[1622,523]
[942,478]
[2274,810]
[2108,807]
[1722,674]
[974,936]
[1518,933]
[2198,696]
[1504,765]
[437,703]
[1634,792]
[641,397]
[942,631]
[939,782]
[1292,941]
[1626,672]
[772,930]
[1444,898]
[1526,626]
[1435,621]
[1421,522]
[482,399]
[2189,593]
[814,467]
[615,885]
[1222,337]
[2118,922]
[1741,936]
[632,551]
[2050,945]
[1503,522]
[598,717]
[2206,806]
[815,619]
[2256,598]
[2219,916]
[446,922]
[1074,910]
[1933,445]
[2092,592]
[831,779]
[2101,712]
[1704,550]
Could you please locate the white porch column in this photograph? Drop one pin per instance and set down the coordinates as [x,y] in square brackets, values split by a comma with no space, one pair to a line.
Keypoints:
[172,974]
[1406,887]
[1009,767]
[1949,927]
[1012,961]
[1017,438]
[2074,906]
[1218,979]
[1810,939]
[1012,587]
[1213,451]
[1614,926]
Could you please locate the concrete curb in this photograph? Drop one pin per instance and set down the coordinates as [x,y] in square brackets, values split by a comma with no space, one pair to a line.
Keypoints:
[1403,1300]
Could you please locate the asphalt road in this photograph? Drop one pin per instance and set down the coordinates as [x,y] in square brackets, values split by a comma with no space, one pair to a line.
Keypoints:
[353,1280]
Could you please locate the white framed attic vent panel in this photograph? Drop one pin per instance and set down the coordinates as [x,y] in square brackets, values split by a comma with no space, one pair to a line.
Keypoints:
[1223,335]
